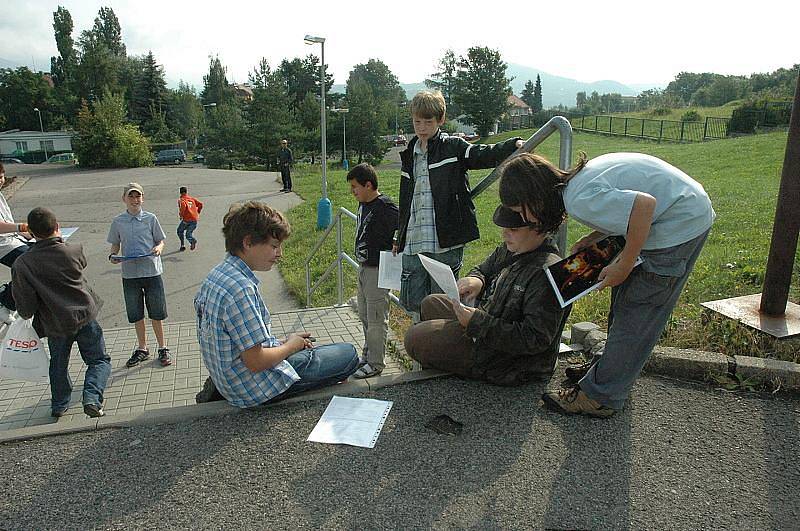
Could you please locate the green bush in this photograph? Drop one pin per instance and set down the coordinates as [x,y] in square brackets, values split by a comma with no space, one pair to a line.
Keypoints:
[754,113]
[691,116]
[105,140]
[661,111]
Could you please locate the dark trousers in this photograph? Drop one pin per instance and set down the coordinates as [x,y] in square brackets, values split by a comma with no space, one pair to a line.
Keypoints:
[286,177]
[6,296]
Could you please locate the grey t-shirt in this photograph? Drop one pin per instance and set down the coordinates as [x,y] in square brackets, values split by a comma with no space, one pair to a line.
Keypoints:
[137,235]
[601,196]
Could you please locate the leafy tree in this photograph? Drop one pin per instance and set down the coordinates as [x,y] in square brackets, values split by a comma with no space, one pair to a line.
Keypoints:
[108,31]
[444,80]
[537,95]
[580,100]
[527,93]
[105,140]
[63,68]
[482,88]
[20,92]
[386,90]
[185,116]
[301,76]
[149,92]
[215,85]
[364,121]
[308,118]
[269,115]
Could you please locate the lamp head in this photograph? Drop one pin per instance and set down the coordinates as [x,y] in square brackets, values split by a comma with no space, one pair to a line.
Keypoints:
[311,39]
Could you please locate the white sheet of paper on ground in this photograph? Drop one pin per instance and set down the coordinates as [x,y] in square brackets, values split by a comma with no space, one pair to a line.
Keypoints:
[390,269]
[442,275]
[66,232]
[353,421]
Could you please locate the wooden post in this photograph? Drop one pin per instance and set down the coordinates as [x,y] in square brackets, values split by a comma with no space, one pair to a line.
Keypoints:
[786,227]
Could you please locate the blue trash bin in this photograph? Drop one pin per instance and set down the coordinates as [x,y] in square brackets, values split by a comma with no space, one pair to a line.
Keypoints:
[323,213]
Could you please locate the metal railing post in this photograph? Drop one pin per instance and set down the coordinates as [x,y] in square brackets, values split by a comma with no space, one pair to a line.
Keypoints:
[339,272]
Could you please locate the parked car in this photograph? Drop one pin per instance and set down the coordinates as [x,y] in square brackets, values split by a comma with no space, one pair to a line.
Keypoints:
[10,160]
[62,158]
[198,158]
[170,156]
[400,140]
[470,138]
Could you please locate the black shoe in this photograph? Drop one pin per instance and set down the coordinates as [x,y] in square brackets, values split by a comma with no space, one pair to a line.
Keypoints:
[209,393]
[183,248]
[575,373]
[164,357]
[58,413]
[139,355]
[94,410]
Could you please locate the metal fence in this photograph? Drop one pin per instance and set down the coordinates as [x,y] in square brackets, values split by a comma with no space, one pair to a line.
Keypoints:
[710,128]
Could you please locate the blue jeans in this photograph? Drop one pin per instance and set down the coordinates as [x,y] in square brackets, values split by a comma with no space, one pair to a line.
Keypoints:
[640,308]
[187,227]
[416,283]
[321,366]
[92,347]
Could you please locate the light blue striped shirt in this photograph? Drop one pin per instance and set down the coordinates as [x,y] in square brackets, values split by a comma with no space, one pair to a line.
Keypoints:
[231,318]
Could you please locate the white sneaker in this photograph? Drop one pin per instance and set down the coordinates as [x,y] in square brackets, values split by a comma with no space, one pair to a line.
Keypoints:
[6,315]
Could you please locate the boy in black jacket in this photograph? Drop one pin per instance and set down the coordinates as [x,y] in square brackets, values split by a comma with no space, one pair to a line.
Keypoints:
[437,215]
[377,222]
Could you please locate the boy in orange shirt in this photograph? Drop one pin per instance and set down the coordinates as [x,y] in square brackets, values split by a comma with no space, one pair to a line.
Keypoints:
[189,209]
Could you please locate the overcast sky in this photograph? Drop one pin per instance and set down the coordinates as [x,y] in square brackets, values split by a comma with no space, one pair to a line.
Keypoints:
[634,42]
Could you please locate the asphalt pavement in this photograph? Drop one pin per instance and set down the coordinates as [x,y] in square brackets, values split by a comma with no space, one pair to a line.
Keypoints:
[680,456]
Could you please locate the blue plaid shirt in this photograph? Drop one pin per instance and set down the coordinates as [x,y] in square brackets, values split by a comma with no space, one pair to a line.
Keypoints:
[421,236]
[231,318]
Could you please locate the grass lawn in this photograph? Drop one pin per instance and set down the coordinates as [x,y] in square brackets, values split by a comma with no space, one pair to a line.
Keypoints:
[741,175]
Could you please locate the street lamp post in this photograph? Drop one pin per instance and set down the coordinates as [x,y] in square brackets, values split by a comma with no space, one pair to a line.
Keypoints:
[41,127]
[345,162]
[324,205]
[397,105]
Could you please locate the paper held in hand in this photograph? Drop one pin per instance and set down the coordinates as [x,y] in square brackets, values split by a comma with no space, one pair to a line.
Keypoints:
[577,275]
[442,275]
[390,269]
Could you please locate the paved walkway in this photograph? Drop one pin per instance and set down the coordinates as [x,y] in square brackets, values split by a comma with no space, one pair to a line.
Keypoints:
[150,386]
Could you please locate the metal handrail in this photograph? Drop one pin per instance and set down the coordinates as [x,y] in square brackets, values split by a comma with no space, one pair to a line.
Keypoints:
[555,124]
[341,257]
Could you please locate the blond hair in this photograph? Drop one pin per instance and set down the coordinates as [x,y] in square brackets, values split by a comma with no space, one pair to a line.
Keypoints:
[429,104]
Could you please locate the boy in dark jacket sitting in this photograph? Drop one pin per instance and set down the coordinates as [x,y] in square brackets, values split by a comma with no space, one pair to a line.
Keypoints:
[437,216]
[50,287]
[509,338]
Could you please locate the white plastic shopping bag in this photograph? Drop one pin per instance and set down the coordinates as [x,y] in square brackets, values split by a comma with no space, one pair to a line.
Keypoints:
[23,356]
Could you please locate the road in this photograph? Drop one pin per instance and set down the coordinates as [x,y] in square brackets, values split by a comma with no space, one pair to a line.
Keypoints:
[89,199]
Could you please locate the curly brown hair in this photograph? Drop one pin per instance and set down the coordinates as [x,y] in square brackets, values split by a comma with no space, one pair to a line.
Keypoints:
[254,219]
[535,183]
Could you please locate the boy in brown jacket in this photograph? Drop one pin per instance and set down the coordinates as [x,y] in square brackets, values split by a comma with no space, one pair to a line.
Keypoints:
[50,287]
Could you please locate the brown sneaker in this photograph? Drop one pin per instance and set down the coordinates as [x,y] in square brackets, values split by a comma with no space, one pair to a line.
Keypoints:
[573,401]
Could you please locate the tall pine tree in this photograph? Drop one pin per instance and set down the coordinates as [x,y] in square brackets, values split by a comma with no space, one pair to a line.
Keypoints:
[527,93]
[149,91]
[537,95]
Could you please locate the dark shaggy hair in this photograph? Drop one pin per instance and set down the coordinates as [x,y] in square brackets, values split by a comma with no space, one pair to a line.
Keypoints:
[535,183]
[364,173]
[42,222]
[254,219]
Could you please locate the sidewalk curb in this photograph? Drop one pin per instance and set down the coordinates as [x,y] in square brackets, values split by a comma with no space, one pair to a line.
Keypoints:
[173,415]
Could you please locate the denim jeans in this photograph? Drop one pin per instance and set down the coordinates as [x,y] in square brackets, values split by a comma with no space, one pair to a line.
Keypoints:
[416,283]
[321,366]
[141,292]
[640,308]
[92,347]
[187,227]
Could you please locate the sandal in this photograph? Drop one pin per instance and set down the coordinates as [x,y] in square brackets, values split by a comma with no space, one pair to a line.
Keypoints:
[366,371]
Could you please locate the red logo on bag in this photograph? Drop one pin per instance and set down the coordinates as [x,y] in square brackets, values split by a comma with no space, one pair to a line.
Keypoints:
[30,344]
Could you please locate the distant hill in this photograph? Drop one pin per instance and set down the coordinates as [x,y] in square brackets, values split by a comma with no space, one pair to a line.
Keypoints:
[555,89]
